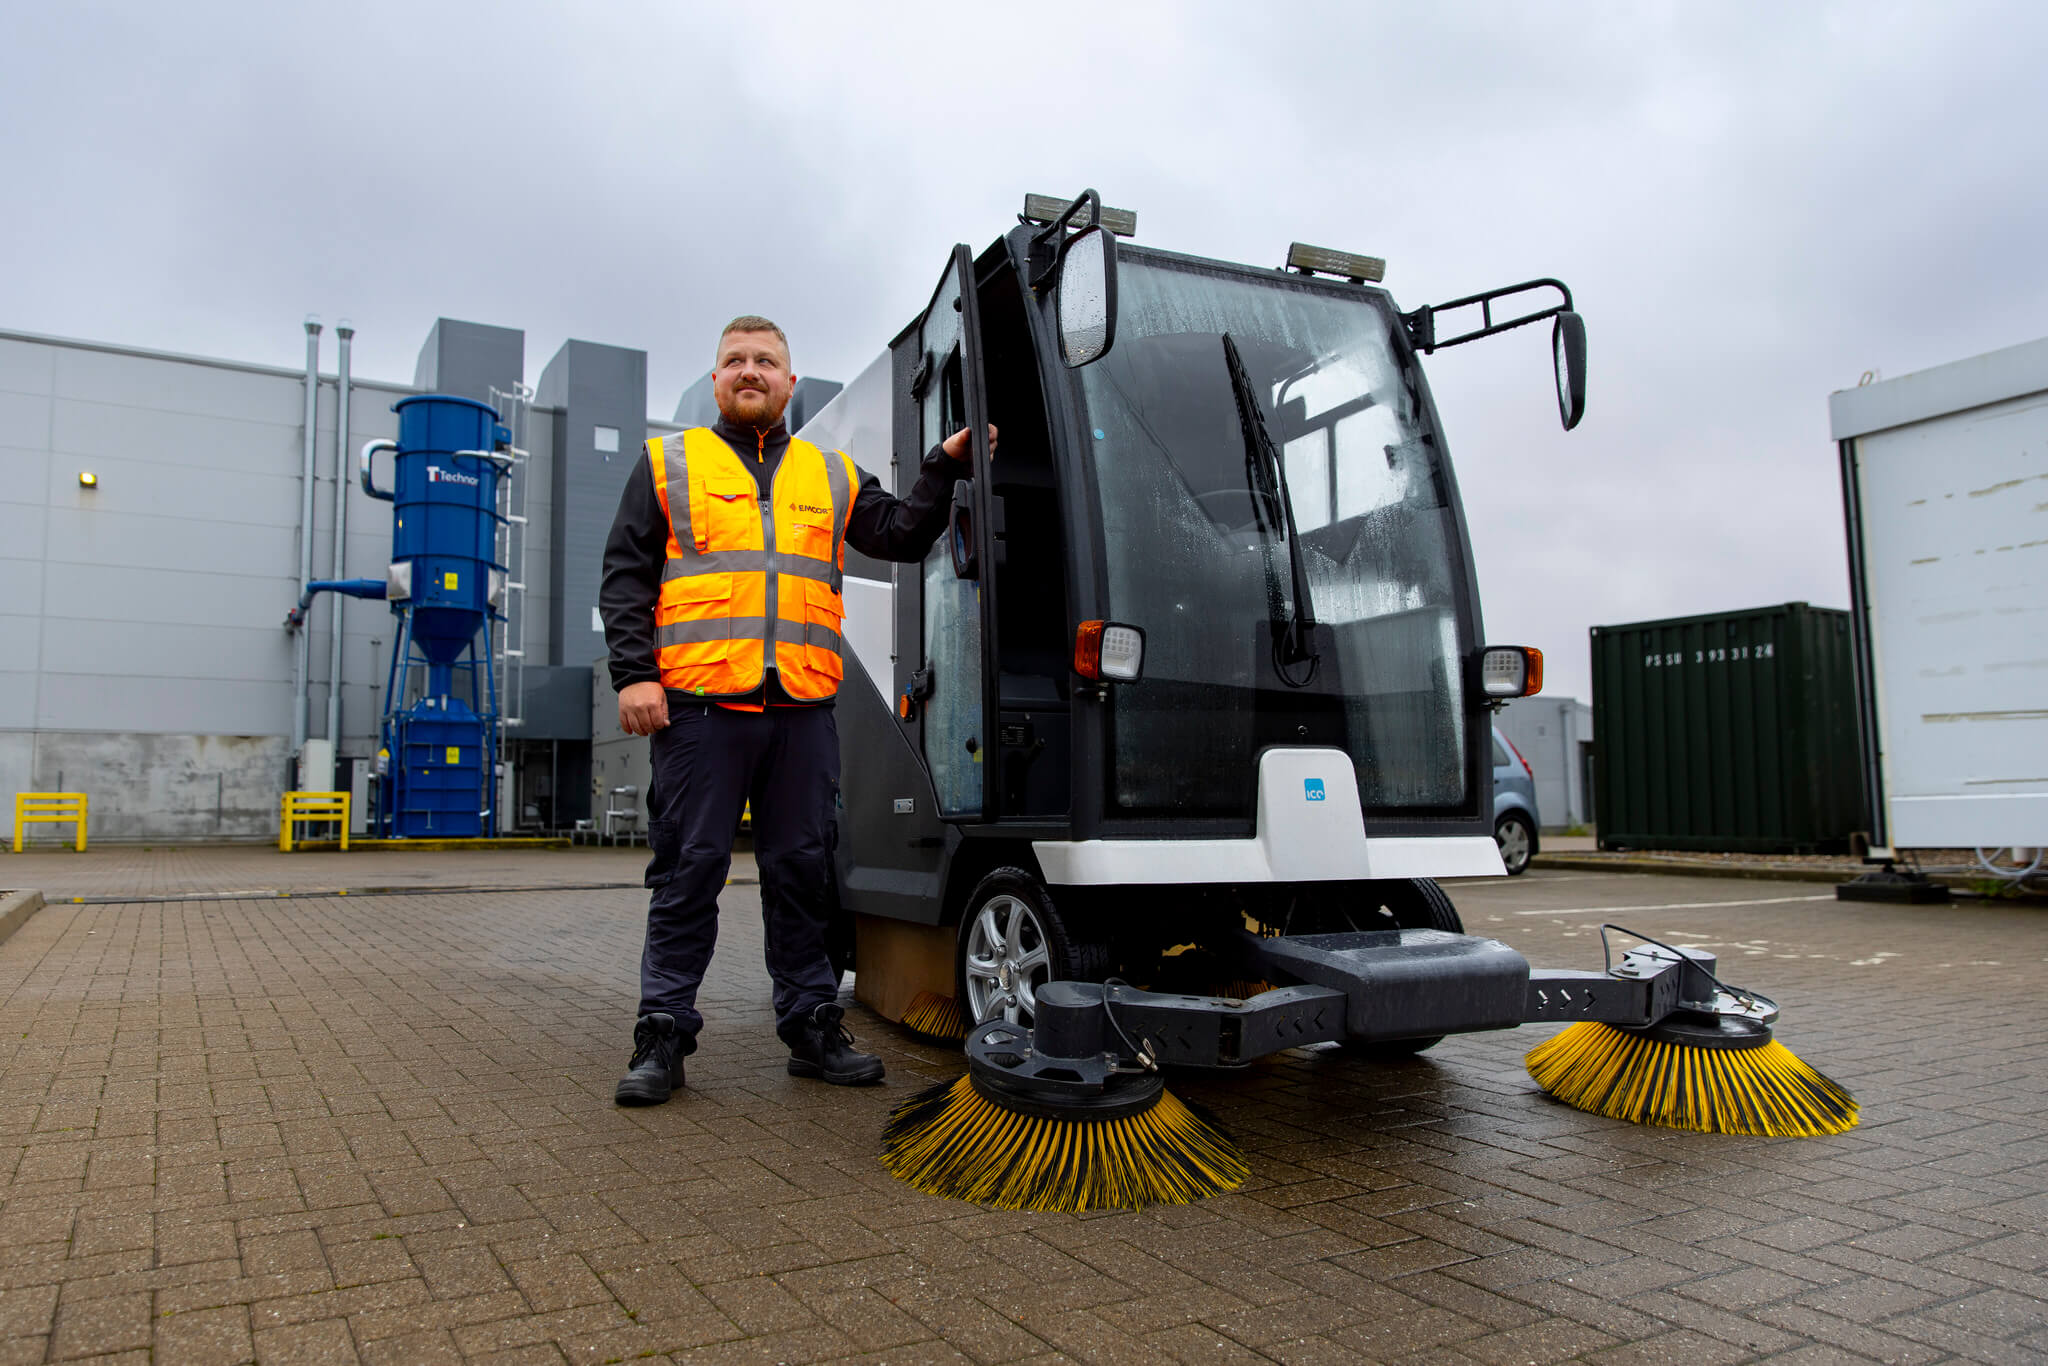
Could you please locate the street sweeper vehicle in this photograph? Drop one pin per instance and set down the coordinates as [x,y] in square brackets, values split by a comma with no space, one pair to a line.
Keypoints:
[1159,755]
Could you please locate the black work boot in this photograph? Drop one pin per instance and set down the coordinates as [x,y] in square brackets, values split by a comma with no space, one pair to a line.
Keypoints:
[824,1048]
[657,1065]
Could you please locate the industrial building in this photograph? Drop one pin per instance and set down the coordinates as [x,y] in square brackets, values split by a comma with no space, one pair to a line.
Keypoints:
[1555,736]
[153,533]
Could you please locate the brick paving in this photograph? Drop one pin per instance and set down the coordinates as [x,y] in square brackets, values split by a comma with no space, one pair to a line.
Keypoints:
[379,1129]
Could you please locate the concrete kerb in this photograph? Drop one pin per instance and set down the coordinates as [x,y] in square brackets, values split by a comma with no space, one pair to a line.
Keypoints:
[15,909]
[1756,871]
[1766,872]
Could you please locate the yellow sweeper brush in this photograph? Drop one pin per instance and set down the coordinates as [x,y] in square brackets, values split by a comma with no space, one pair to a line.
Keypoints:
[1059,1121]
[936,1017]
[1713,1076]
[1710,1066]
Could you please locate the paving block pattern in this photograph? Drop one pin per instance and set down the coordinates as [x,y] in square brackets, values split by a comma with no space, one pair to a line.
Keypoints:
[380,1129]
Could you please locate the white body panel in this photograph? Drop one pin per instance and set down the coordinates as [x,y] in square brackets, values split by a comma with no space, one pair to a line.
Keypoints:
[1951,467]
[1310,828]
[857,421]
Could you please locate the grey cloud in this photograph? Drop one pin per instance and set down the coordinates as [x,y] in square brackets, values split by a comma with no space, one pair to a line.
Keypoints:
[1754,203]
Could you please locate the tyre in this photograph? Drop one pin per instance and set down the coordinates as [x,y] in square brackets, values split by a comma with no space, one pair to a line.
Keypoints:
[1415,903]
[1012,941]
[1517,841]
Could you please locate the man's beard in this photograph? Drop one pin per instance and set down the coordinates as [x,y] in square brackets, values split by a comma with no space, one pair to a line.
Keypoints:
[752,408]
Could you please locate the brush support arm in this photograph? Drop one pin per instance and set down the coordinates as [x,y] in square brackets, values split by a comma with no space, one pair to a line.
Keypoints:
[1091,1044]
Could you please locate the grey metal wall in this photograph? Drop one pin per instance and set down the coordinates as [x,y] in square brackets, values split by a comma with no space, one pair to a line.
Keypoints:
[142,652]
[591,390]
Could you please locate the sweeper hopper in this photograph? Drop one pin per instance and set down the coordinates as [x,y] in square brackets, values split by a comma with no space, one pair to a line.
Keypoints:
[1193,694]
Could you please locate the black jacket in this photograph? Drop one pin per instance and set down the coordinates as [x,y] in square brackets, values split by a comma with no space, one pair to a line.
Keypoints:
[882,526]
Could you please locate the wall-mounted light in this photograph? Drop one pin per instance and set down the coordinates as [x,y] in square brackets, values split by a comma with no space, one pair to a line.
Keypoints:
[88,480]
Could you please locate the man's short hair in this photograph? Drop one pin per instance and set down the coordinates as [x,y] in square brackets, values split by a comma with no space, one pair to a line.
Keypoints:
[752,322]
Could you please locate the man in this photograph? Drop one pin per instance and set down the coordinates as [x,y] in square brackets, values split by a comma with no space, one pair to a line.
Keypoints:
[728,658]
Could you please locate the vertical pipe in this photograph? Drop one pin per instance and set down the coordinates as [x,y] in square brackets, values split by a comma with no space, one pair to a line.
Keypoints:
[302,656]
[344,331]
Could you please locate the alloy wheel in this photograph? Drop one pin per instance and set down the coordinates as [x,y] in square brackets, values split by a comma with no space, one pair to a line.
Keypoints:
[1007,960]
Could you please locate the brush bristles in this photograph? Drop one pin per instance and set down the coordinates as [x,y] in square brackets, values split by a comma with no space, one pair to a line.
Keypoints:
[1764,1090]
[953,1142]
[936,1016]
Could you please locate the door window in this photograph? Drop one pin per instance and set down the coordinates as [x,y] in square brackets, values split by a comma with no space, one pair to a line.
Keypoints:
[953,744]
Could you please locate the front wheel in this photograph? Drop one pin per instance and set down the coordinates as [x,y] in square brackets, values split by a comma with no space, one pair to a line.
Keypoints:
[1517,841]
[1013,940]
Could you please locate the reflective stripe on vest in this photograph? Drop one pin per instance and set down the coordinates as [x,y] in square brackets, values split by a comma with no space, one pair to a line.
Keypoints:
[749,581]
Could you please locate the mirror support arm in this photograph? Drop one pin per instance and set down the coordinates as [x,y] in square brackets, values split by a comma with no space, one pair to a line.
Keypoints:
[1046,242]
[1421,324]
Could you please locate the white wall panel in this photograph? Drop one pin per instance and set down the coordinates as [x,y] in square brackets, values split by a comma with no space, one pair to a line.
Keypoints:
[135,483]
[20,639]
[24,420]
[119,702]
[17,699]
[187,441]
[182,386]
[98,592]
[27,367]
[140,542]
[17,704]
[147,649]
[21,582]
[21,528]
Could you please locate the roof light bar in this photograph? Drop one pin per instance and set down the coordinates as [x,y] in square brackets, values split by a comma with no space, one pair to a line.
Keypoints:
[1322,261]
[1046,208]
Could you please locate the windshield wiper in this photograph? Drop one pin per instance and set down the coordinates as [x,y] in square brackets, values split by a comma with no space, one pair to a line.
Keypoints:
[1267,475]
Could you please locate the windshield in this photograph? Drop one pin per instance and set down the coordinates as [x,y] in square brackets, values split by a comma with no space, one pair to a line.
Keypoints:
[1197,558]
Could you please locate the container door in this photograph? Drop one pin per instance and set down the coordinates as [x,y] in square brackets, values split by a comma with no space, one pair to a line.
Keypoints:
[957,639]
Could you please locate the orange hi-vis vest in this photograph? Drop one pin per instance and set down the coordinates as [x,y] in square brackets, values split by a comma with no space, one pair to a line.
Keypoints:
[751,580]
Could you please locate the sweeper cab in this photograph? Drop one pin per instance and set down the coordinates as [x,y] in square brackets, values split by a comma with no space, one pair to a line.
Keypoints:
[1192,698]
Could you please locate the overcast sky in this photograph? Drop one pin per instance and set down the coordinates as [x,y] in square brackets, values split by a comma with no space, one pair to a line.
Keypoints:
[1753,204]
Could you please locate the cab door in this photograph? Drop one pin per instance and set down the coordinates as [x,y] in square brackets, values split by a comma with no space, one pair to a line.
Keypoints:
[955,656]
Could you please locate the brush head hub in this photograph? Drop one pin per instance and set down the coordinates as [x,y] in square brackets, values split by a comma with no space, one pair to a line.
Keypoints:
[1691,1029]
[1119,1098]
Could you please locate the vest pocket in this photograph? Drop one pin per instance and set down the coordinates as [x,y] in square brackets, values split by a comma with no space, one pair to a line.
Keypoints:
[827,614]
[812,540]
[730,512]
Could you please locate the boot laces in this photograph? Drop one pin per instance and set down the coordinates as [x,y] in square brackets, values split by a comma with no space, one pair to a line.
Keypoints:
[647,1041]
[836,1029]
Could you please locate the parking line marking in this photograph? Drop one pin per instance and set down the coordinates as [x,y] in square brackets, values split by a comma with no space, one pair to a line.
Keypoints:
[1679,905]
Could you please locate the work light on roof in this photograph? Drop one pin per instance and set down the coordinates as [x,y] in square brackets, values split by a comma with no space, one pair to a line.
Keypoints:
[1046,208]
[1322,261]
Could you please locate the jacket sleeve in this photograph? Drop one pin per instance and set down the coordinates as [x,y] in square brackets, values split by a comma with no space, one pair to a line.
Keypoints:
[890,528]
[633,559]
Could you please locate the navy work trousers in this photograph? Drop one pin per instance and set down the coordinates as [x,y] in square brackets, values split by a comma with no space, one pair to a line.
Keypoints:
[709,762]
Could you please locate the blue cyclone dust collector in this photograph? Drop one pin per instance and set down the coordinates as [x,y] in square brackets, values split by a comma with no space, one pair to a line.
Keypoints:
[439,758]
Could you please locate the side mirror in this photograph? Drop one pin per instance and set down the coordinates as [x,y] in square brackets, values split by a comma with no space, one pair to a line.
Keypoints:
[1568,349]
[960,532]
[1085,296]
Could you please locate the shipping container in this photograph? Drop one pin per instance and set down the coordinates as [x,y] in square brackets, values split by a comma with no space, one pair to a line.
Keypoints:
[1734,732]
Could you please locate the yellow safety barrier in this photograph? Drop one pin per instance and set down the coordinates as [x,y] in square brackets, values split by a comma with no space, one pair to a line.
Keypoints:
[51,808]
[312,806]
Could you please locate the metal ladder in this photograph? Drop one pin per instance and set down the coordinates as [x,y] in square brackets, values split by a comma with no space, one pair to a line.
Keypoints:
[514,407]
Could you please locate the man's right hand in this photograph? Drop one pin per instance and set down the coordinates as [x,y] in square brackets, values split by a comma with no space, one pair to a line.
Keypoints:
[643,708]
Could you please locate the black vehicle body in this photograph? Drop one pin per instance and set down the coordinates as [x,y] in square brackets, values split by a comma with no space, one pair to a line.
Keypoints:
[1140,824]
